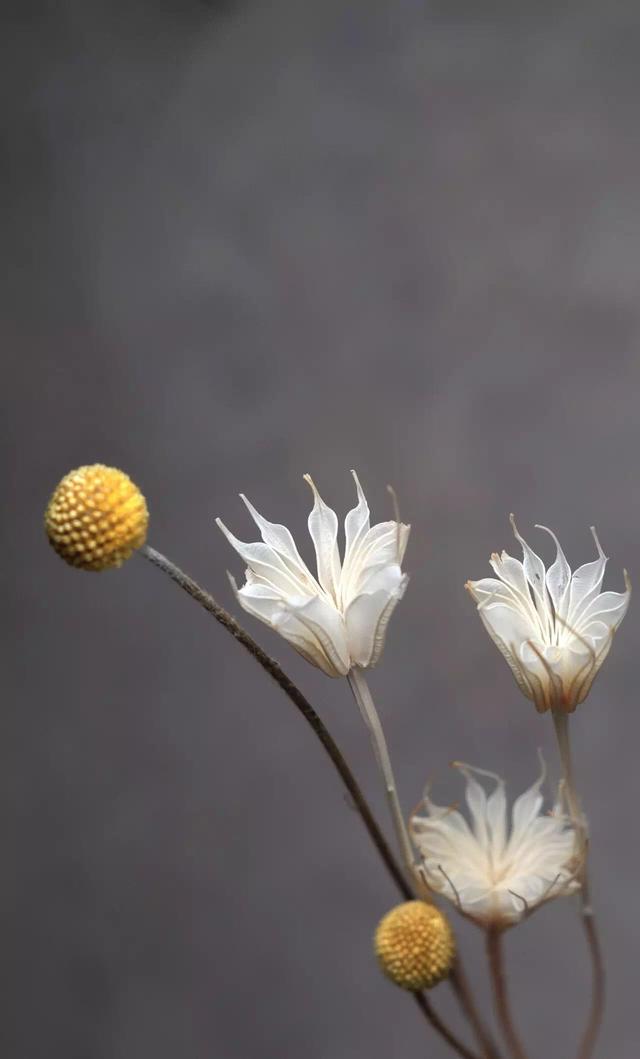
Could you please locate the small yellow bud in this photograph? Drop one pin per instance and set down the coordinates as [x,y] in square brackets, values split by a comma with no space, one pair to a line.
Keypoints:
[415,945]
[96,518]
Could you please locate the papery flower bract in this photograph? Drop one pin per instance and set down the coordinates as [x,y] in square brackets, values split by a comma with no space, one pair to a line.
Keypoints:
[339,620]
[498,874]
[554,628]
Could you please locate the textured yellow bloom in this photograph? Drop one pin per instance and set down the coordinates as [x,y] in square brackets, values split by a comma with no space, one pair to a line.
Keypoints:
[415,945]
[96,518]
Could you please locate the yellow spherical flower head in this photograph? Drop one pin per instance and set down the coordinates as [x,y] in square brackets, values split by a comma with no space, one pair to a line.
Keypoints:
[96,518]
[415,945]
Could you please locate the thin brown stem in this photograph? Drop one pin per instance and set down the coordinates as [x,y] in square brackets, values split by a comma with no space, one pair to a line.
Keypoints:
[500,995]
[300,702]
[587,915]
[425,1006]
[335,754]
[462,990]
[590,1035]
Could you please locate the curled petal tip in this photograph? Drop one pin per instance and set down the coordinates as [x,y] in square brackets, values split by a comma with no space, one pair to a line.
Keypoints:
[514,527]
[394,500]
[598,545]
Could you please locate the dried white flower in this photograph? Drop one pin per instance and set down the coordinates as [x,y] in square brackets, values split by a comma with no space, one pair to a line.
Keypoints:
[339,620]
[554,628]
[495,874]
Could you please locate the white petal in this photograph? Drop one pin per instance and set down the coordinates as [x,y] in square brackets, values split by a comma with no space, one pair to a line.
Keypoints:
[372,566]
[558,577]
[259,600]
[325,625]
[279,538]
[302,637]
[367,617]
[585,583]
[527,807]
[511,573]
[323,527]
[268,564]
[508,628]
[608,607]
[532,563]
[476,799]
[356,523]
[497,819]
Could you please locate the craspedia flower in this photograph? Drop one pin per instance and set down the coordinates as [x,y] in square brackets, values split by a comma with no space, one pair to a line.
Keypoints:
[415,945]
[96,518]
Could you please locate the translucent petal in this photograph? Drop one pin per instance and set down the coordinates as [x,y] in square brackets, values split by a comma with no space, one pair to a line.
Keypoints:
[377,552]
[323,527]
[558,577]
[586,583]
[305,642]
[511,572]
[476,799]
[279,538]
[356,523]
[326,625]
[367,616]
[269,565]
[526,808]
[497,819]
[608,607]
[533,565]
[259,600]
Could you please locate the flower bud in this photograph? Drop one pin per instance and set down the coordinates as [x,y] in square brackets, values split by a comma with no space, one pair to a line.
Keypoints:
[415,946]
[96,518]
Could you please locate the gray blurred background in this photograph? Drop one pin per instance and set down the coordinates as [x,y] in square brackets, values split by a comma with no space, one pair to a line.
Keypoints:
[242,242]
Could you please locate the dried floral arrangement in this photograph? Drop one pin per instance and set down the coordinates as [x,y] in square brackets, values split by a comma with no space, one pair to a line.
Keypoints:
[554,628]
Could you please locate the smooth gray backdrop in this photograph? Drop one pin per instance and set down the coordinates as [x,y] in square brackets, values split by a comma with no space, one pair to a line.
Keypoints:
[242,242]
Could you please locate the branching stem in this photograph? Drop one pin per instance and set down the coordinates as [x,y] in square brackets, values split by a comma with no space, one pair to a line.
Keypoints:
[352,786]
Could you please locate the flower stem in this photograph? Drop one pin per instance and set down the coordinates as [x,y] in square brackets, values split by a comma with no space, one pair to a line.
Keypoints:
[300,702]
[457,1045]
[501,998]
[337,759]
[587,915]
[462,990]
[362,695]
[459,984]
[561,724]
